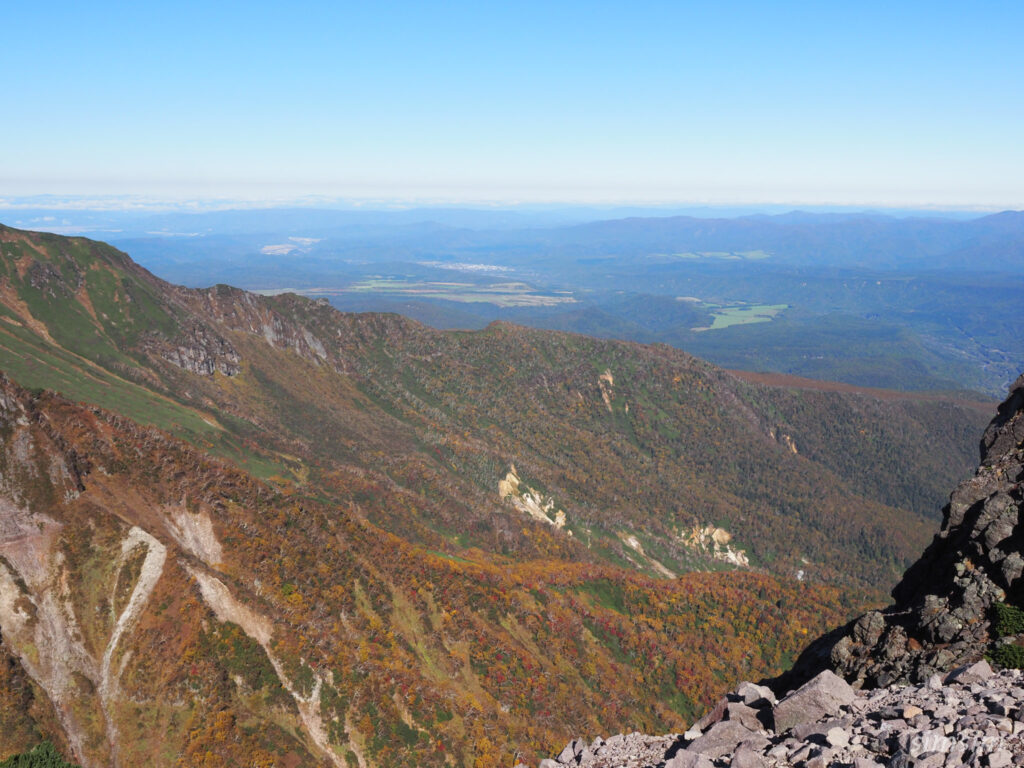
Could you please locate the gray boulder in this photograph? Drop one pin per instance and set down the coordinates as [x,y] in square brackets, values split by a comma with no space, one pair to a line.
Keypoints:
[747,757]
[824,696]
[724,737]
[979,672]
[689,760]
[756,696]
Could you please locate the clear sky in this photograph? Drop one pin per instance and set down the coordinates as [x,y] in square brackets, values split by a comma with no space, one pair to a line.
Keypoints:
[898,103]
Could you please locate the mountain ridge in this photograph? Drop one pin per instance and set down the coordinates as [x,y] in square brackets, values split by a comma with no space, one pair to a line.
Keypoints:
[371,354]
[325,490]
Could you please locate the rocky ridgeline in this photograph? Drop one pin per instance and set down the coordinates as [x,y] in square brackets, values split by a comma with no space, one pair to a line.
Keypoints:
[971,717]
[921,696]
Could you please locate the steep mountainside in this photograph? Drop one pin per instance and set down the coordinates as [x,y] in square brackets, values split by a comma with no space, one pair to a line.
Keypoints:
[926,696]
[270,532]
[640,447]
[159,607]
[965,592]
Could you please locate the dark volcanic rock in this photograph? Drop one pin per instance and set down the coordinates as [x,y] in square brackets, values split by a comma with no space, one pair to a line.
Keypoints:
[940,619]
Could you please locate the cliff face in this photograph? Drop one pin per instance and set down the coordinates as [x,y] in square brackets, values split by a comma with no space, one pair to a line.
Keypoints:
[943,605]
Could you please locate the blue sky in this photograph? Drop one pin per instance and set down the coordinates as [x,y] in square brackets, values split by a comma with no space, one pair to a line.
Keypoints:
[909,103]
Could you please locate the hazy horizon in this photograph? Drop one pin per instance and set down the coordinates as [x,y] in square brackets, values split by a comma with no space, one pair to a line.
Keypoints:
[144,204]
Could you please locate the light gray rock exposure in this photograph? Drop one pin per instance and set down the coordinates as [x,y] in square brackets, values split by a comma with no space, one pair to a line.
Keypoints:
[971,716]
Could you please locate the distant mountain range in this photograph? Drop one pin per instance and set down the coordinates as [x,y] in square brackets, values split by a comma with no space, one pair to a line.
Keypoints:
[993,242]
[253,526]
[906,301]
[868,299]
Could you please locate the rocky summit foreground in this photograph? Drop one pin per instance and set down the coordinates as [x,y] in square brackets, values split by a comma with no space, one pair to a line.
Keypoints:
[922,694]
[971,716]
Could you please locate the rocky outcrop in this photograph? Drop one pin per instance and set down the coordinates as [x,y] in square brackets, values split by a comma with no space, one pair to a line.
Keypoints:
[237,310]
[969,717]
[943,605]
[529,501]
[716,542]
[199,351]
